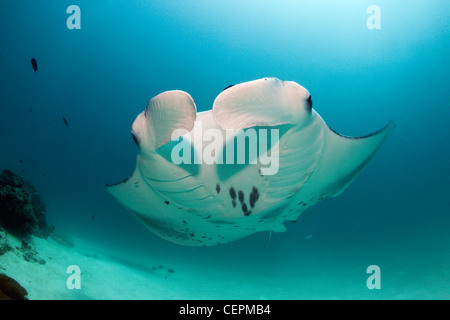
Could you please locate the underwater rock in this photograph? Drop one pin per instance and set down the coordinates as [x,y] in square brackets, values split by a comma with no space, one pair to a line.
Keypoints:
[25,251]
[5,246]
[10,289]
[29,253]
[21,209]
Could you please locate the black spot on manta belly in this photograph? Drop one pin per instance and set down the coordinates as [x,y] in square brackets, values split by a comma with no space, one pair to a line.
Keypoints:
[232,193]
[241,196]
[245,210]
[166,202]
[218,188]
[254,196]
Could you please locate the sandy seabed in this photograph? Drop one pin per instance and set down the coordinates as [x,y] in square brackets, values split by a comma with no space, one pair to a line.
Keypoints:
[106,273]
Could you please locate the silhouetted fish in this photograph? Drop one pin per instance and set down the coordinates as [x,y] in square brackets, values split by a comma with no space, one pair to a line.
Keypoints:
[65,122]
[34,64]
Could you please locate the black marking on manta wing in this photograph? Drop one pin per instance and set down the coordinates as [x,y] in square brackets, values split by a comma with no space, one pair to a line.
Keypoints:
[116,184]
[310,102]
[135,138]
[231,85]
[65,121]
[367,135]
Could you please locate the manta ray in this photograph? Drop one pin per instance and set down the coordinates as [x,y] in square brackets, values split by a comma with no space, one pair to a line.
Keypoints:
[185,191]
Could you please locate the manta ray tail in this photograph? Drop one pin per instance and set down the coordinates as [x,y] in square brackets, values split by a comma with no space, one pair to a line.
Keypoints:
[268,239]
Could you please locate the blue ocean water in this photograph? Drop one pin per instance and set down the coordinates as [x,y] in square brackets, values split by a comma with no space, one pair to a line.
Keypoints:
[100,77]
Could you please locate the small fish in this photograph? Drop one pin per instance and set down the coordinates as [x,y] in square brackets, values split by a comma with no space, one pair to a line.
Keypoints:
[65,122]
[93,217]
[34,64]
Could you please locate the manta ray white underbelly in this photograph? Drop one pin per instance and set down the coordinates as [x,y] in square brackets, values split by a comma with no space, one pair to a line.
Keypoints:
[260,157]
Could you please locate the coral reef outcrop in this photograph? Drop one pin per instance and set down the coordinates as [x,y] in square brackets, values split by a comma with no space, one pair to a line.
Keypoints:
[29,253]
[5,246]
[21,209]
